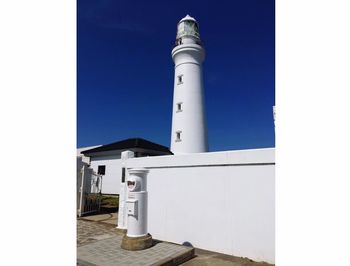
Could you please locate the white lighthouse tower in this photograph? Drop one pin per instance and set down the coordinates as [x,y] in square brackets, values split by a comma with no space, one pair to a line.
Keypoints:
[189,130]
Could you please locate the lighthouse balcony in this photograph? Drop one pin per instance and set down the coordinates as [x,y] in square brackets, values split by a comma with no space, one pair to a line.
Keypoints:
[181,41]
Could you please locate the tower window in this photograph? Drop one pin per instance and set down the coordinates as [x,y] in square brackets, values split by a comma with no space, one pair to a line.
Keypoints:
[180,79]
[178,136]
[179,107]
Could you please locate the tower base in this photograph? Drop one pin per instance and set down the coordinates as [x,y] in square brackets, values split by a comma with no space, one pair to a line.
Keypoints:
[137,243]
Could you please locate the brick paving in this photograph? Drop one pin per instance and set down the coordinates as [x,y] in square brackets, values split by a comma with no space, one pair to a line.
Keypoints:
[108,252]
[88,232]
[99,244]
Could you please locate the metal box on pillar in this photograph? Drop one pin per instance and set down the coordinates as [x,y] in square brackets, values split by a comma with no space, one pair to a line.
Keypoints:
[137,236]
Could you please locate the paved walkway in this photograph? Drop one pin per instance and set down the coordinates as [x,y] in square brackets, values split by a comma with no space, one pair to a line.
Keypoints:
[89,232]
[107,252]
[99,244]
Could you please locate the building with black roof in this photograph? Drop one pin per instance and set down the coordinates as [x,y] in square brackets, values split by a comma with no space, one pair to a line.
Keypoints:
[140,146]
[106,159]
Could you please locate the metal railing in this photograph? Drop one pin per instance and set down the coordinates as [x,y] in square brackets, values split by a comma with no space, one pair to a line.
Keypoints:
[89,191]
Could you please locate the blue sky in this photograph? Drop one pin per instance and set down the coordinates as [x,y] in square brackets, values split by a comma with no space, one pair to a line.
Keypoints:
[125,70]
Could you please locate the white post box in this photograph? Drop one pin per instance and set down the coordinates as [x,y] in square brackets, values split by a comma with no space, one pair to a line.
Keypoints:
[137,202]
[137,237]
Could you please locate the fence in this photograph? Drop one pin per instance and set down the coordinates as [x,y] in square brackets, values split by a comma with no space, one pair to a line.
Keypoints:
[89,185]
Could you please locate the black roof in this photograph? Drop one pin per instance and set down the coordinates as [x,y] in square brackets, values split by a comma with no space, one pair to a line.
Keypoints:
[128,144]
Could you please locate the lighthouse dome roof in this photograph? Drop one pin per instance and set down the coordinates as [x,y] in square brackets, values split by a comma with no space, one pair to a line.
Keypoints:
[188,17]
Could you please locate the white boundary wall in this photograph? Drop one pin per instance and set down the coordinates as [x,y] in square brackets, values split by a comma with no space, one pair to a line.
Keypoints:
[219,201]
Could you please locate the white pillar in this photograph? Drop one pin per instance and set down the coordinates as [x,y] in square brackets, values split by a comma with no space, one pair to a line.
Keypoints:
[123,194]
[137,202]
[189,130]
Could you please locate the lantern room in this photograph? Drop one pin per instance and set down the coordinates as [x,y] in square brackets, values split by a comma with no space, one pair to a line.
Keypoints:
[187,31]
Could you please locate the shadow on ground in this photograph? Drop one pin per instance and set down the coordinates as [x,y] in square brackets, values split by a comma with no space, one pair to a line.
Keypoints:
[209,258]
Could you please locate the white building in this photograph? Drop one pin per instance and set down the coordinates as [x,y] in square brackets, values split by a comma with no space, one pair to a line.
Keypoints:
[105,159]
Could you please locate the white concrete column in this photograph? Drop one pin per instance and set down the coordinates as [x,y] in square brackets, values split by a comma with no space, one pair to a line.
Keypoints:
[123,195]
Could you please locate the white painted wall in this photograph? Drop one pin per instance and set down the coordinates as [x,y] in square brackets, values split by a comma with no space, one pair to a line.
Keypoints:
[219,201]
[112,179]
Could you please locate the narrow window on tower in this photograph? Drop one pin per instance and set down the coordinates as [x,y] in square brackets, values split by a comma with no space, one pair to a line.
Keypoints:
[179,107]
[180,79]
[178,136]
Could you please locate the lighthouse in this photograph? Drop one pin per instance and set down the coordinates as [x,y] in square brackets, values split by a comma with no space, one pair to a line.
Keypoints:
[189,129]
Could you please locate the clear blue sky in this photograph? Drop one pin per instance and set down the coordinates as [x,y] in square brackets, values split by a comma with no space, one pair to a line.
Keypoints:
[125,70]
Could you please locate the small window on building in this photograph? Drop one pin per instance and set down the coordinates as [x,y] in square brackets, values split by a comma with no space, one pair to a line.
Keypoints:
[101,170]
[179,107]
[180,79]
[178,136]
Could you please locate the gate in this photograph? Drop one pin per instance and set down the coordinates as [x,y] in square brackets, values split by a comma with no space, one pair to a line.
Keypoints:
[89,186]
